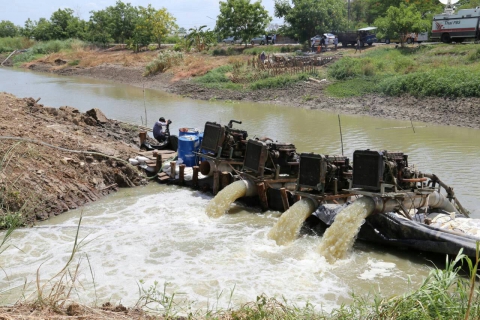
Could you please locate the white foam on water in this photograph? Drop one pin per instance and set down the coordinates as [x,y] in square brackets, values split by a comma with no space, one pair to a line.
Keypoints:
[163,234]
[377,269]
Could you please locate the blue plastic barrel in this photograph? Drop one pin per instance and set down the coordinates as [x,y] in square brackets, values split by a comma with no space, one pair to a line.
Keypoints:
[187,132]
[187,145]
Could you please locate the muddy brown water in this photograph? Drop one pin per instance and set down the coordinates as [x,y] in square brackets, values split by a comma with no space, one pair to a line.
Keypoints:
[161,233]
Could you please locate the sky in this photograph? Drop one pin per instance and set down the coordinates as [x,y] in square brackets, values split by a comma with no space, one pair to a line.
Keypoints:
[189,13]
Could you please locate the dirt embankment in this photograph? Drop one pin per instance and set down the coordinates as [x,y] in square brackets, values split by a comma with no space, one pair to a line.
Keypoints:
[40,177]
[121,67]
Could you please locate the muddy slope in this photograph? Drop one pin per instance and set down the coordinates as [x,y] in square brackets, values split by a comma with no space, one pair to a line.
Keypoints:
[40,178]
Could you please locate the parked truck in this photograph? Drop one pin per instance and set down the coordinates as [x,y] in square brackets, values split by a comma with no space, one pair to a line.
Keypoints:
[409,37]
[367,36]
[450,26]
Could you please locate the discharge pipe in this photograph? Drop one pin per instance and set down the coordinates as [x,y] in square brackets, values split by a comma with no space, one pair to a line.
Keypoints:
[222,201]
[207,167]
[413,201]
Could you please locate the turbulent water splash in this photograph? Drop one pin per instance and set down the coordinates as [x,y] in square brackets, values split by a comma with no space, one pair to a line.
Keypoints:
[222,201]
[339,237]
[287,227]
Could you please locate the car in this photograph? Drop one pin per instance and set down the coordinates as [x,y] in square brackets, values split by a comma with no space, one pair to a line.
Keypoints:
[258,40]
[261,40]
[329,37]
[232,40]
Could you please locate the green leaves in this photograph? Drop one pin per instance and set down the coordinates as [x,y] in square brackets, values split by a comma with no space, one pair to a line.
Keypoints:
[308,18]
[8,29]
[242,19]
[400,21]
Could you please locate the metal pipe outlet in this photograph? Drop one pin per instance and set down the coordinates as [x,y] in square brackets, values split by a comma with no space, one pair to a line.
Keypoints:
[413,201]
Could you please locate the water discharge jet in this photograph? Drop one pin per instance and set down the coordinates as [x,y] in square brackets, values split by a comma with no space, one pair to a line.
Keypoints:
[288,225]
[339,237]
[222,201]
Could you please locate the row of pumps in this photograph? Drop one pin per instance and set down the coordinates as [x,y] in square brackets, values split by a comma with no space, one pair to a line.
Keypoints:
[279,176]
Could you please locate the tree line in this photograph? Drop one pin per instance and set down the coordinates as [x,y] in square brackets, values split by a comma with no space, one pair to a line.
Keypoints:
[121,23]
[124,23]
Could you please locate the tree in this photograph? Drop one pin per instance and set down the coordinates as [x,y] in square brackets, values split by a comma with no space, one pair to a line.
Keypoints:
[42,30]
[310,17]
[242,19]
[377,8]
[400,21]
[468,4]
[99,27]
[28,29]
[182,31]
[61,24]
[7,29]
[122,17]
[157,23]
[200,39]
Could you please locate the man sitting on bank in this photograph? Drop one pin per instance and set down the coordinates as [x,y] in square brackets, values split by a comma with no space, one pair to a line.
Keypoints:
[159,130]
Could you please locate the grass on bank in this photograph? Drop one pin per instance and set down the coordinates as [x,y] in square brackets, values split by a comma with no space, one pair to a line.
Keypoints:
[40,49]
[232,50]
[447,294]
[220,78]
[442,70]
[8,44]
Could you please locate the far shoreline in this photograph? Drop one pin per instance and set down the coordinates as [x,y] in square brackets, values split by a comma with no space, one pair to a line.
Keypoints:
[461,112]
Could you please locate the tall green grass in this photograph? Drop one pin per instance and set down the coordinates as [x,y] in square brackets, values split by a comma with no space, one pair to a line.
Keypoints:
[17,43]
[47,47]
[216,75]
[436,70]
[162,62]
[252,79]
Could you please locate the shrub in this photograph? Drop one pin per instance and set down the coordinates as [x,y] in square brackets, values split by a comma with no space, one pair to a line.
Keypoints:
[177,47]
[368,69]
[219,52]
[474,55]
[17,43]
[164,60]
[216,75]
[401,63]
[172,39]
[445,82]
[25,57]
[346,68]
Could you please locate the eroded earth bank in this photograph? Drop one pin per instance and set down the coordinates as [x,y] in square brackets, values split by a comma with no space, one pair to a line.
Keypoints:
[54,160]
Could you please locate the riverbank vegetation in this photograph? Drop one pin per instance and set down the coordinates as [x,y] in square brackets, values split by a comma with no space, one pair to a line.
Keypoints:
[427,70]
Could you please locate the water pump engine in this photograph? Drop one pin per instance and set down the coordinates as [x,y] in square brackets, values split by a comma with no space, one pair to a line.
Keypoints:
[224,141]
[320,174]
[270,158]
[374,170]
